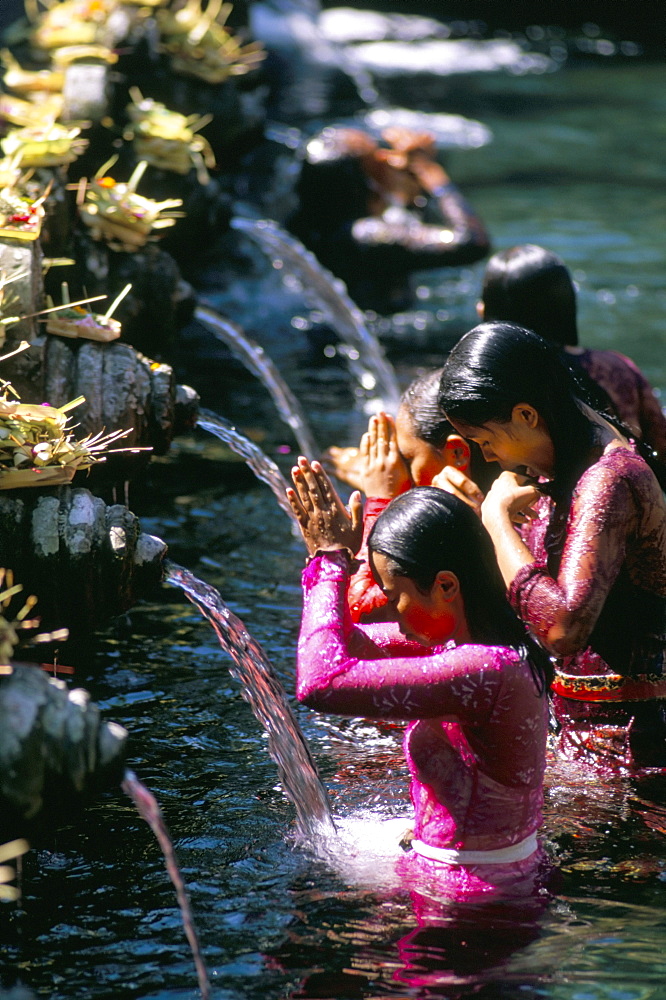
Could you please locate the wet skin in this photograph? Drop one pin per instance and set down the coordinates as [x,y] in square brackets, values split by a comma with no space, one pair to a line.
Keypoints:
[430,617]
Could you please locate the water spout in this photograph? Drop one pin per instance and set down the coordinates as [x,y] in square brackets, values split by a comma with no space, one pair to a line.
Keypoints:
[363,352]
[267,699]
[257,361]
[149,810]
[263,467]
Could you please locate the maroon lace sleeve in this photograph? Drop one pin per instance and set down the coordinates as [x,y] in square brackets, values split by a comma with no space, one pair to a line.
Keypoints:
[617,516]
[632,395]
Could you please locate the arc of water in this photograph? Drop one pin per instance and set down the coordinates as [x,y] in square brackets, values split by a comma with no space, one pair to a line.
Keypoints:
[267,699]
[364,353]
[263,467]
[258,362]
[149,810]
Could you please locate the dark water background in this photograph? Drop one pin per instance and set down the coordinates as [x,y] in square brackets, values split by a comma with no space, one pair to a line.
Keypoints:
[576,165]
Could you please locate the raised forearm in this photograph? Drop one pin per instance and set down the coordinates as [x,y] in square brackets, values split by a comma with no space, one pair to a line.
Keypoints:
[511,551]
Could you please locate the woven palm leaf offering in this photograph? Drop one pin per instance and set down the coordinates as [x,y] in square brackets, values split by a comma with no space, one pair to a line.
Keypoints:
[10,851]
[47,145]
[7,300]
[28,81]
[69,22]
[166,139]
[10,627]
[115,213]
[21,216]
[201,46]
[27,113]
[38,447]
[74,320]
[68,54]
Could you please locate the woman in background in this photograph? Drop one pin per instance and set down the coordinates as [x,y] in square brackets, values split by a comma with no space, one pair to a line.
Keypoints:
[373,214]
[393,456]
[532,287]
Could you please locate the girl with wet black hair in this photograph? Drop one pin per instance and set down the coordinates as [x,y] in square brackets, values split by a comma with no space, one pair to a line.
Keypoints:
[455,661]
[394,455]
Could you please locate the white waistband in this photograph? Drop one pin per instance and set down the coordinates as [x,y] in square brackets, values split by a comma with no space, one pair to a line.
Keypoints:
[501,856]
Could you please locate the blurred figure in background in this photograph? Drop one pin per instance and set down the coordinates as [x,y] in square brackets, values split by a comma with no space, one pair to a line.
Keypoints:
[374,214]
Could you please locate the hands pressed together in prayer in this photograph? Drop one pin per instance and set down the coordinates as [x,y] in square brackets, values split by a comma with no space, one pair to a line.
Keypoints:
[326,524]
[408,167]
[383,470]
[376,467]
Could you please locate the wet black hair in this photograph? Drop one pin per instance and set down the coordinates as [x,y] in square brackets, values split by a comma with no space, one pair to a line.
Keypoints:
[427,530]
[496,366]
[532,287]
[421,402]
[429,423]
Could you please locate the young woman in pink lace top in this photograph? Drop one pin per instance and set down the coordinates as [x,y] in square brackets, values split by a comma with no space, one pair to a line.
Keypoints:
[587,571]
[457,663]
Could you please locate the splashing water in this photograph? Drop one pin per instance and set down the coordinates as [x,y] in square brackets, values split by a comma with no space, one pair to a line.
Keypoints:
[149,810]
[267,699]
[257,361]
[362,350]
[263,467]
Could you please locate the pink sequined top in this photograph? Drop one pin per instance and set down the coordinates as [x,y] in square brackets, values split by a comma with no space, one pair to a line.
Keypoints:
[596,593]
[476,743]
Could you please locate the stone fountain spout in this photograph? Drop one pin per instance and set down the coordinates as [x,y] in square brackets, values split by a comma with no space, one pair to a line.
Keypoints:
[54,747]
[86,562]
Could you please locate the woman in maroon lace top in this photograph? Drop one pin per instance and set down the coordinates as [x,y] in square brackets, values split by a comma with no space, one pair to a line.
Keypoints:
[587,572]
[531,286]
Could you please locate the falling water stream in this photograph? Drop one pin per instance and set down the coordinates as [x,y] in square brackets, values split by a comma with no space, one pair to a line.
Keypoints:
[268,701]
[149,810]
[360,347]
[263,467]
[257,361]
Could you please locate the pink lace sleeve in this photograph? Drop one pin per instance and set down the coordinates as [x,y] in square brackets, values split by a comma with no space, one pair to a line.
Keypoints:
[343,669]
[616,507]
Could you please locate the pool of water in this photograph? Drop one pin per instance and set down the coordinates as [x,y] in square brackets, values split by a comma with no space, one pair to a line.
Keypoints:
[575,165]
